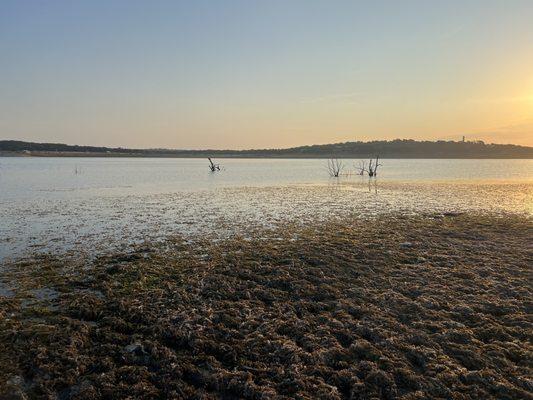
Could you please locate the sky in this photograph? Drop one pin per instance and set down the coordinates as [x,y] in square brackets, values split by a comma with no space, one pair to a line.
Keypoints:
[265,74]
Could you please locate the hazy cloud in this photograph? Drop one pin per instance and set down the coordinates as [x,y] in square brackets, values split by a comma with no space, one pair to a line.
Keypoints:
[520,133]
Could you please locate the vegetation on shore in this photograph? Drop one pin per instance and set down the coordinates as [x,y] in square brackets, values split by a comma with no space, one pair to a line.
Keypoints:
[396,307]
[386,149]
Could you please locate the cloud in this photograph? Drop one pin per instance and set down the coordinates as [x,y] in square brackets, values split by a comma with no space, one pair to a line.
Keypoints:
[453,32]
[521,133]
[500,100]
[339,97]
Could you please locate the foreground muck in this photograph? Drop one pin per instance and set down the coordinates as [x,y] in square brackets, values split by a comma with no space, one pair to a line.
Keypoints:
[405,307]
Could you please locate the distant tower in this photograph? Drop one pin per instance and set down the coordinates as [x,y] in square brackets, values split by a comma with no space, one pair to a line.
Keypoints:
[463,139]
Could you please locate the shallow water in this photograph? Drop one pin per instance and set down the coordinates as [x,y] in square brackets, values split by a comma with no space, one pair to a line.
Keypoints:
[91,205]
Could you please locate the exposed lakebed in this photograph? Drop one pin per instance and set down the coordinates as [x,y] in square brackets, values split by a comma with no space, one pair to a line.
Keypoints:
[91,206]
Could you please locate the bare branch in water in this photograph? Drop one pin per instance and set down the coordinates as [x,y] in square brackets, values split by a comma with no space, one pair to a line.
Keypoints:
[372,169]
[362,168]
[212,166]
[335,167]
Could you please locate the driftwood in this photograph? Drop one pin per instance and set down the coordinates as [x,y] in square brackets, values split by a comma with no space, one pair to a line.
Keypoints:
[212,166]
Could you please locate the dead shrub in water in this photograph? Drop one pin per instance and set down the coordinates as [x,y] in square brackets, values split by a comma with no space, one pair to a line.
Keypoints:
[335,167]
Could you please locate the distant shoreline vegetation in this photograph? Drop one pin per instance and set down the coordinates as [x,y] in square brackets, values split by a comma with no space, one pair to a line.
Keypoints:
[385,149]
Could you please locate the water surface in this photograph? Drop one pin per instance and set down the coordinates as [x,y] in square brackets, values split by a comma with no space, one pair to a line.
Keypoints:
[93,204]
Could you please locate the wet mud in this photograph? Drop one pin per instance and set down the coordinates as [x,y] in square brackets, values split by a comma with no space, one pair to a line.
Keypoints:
[411,307]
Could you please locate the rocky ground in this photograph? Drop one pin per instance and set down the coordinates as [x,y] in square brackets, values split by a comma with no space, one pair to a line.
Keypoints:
[397,307]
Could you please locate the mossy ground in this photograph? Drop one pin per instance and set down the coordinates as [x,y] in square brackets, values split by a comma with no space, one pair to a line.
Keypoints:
[404,307]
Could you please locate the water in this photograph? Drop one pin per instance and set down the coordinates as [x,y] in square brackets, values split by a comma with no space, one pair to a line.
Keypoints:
[93,204]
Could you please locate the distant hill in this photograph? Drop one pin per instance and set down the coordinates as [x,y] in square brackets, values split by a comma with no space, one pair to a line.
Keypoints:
[384,149]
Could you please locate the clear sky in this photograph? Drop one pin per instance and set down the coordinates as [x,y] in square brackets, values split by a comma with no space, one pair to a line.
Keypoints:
[273,73]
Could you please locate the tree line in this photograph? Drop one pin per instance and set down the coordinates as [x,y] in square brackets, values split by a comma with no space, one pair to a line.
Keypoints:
[386,149]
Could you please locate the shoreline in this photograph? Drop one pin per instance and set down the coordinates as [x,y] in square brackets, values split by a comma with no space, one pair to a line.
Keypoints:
[410,307]
[214,154]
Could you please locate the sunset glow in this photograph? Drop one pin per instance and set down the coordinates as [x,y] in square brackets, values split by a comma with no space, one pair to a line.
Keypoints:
[266,199]
[241,74]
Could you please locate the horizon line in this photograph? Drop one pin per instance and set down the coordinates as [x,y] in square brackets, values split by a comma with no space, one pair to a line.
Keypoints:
[271,148]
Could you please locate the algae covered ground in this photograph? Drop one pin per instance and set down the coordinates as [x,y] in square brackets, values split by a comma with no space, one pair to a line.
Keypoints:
[396,307]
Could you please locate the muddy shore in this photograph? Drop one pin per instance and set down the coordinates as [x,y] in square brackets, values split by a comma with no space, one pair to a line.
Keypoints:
[392,308]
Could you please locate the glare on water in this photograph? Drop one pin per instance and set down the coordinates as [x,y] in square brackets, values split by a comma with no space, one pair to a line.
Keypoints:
[88,204]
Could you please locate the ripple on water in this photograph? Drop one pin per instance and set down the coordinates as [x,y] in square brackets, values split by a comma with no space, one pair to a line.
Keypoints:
[96,224]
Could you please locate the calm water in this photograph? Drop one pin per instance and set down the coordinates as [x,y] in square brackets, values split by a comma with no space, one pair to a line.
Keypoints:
[93,204]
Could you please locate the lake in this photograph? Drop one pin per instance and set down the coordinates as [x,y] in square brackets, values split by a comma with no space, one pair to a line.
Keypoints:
[91,205]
